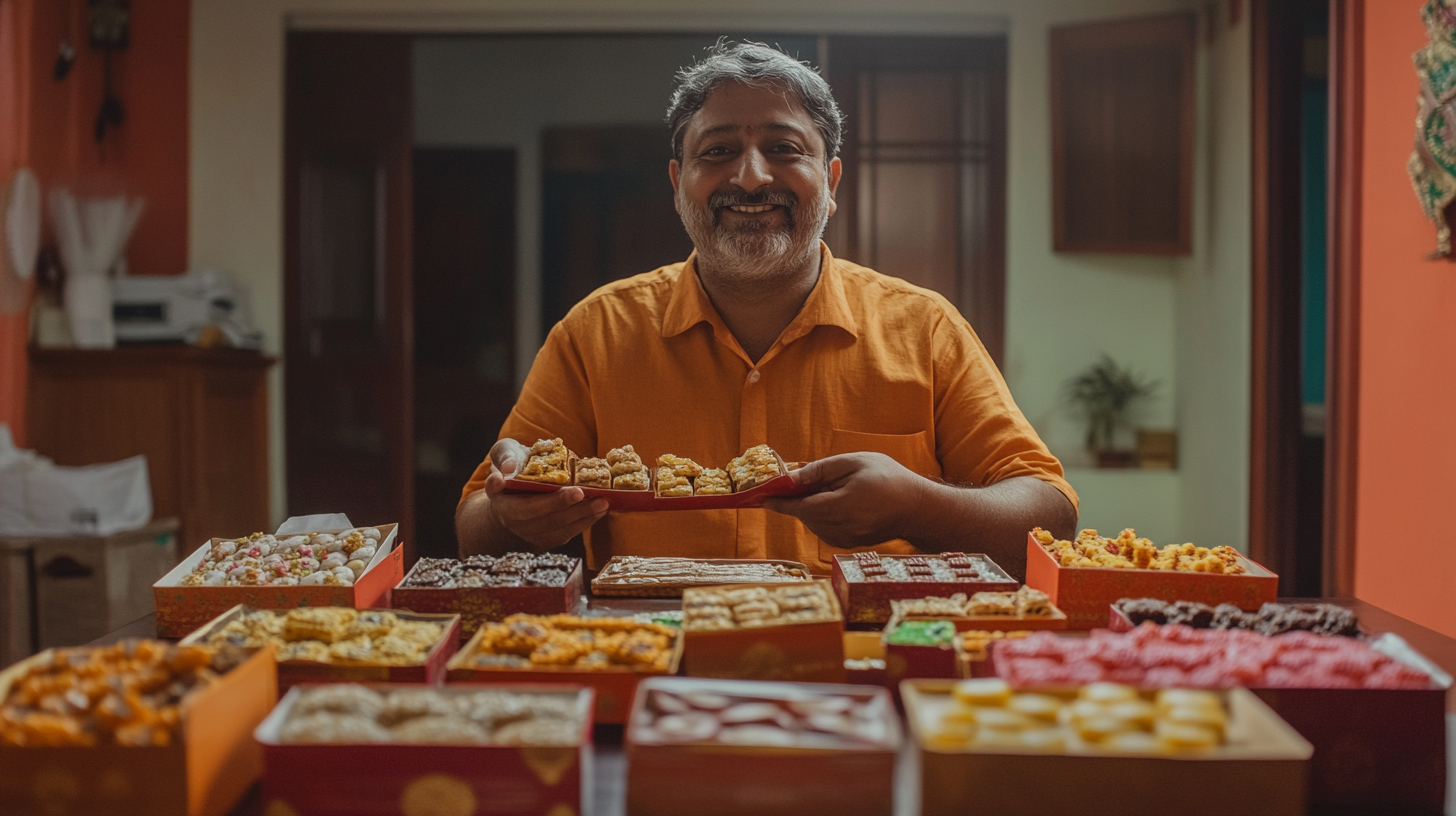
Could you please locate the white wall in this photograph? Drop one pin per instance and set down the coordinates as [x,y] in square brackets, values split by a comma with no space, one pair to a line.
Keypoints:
[1176,320]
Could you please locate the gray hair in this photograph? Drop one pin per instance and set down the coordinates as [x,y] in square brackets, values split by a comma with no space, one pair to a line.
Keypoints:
[754,63]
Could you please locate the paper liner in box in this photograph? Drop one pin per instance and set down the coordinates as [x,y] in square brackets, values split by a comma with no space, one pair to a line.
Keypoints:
[1261,771]
[478,605]
[1086,593]
[713,779]
[181,609]
[295,672]
[613,687]
[385,779]
[204,774]
[869,601]
[795,652]
[604,585]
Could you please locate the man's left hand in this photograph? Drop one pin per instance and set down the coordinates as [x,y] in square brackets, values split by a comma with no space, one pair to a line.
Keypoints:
[862,499]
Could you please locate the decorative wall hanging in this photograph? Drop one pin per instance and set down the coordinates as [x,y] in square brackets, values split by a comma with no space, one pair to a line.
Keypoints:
[1432,164]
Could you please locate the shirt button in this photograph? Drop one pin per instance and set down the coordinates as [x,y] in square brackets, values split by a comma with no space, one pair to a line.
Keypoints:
[753,376]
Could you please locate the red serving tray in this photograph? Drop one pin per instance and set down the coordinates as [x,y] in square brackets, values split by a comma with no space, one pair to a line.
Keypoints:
[647,501]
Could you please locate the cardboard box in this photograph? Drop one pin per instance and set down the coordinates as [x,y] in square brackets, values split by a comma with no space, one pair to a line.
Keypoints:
[614,687]
[478,605]
[1260,771]
[865,646]
[295,672]
[87,585]
[1086,593]
[182,609]
[17,602]
[869,601]
[205,774]
[384,779]
[605,585]
[795,652]
[711,778]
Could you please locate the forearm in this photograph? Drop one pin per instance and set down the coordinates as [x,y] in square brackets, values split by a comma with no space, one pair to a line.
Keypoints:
[993,520]
[481,533]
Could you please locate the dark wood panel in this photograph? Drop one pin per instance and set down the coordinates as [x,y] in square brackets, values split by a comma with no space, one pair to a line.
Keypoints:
[1122,99]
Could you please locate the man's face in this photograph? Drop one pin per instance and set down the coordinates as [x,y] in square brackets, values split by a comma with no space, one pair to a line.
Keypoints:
[753,189]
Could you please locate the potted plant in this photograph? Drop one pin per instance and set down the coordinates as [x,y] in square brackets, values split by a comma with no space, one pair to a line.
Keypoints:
[1104,395]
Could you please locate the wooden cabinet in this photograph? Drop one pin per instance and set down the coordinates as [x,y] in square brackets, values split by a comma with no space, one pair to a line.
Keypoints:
[200,416]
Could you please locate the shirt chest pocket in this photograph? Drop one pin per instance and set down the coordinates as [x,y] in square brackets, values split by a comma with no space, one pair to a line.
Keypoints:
[915,451]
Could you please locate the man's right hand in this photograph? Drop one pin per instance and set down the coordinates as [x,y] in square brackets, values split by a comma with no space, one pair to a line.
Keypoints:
[543,520]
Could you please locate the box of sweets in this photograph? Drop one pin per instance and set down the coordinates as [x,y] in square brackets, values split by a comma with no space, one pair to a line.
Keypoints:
[609,655]
[190,755]
[1026,609]
[867,582]
[337,645]
[1085,588]
[1101,749]
[789,632]
[864,659]
[279,572]
[428,750]
[920,649]
[711,747]
[1379,731]
[485,588]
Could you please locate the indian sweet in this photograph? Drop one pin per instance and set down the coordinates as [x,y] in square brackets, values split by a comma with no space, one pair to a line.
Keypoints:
[510,570]
[1127,551]
[922,633]
[355,713]
[346,637]
[976,643]
[305,559]
[533,641]
[1023,603]
[627,574]
[548,461]
[754,607]
[129,694]
[1271,619]
[594,472]
[1100,717]
[791,716]
[628,472]
[951,567]
[712,482]
[1176,655]
[757,465]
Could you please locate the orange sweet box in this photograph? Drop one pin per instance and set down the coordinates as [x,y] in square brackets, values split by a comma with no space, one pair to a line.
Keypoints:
[181,609]
[295,672]
[1086,593]
[614,687]
[479,605]
[383,779]
[796,652]
[204,774]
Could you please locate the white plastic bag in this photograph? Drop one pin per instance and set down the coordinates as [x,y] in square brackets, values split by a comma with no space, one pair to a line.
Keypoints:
[39,498]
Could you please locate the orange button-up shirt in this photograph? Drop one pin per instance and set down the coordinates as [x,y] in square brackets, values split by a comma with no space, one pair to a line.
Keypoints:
[871,363]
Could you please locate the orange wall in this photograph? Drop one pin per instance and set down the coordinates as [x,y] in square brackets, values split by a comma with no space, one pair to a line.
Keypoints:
[48,126]
[1406,556]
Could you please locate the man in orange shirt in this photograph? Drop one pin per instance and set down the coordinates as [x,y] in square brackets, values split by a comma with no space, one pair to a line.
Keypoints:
[761,336]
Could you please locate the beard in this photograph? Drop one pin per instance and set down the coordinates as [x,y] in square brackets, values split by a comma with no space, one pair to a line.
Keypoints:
[756,252]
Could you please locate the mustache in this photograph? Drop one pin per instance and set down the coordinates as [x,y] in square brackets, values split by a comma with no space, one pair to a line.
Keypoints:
[740,198]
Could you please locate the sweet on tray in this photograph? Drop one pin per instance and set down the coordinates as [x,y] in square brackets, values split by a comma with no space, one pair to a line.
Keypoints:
[353,713]
[631,574]
[726,715]
[755,607]
[548,461]
[941,568]
[1099,717]
[712,482]
[129,694]
[757,465]
[1127,551]
[510,570]
[1271,619]
[593,472]
[346,637]
[628,472]
[534,641]
[308,559]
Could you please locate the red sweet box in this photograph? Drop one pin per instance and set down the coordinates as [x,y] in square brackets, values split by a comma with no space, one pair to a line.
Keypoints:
[385,779]
[1086,593]
[869,601]
[796,652]
[181,609]
[296,672]
[479,605]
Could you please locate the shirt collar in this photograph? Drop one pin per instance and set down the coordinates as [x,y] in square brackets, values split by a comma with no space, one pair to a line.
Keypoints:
[827,305]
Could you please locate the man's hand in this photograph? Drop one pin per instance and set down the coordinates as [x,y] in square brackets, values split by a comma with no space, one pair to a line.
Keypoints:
[541,520]
[863,499]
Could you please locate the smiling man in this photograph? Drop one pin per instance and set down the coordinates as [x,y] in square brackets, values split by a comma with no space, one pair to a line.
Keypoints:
[762,336]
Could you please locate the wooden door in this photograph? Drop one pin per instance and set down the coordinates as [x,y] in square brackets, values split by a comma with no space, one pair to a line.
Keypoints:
[347,293]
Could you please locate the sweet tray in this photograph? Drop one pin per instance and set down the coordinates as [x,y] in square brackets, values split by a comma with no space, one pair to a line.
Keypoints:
[613,588]
[646,501]
[869,601]
[479,605]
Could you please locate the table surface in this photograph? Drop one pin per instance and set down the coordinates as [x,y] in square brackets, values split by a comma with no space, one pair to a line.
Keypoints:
[609,768]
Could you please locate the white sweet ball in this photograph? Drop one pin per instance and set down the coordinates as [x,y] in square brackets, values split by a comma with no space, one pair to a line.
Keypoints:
[214,578]
[333,560]
[371,533]
[287,580]
[314,579]
[363,554]
[357,567]
[225,548]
